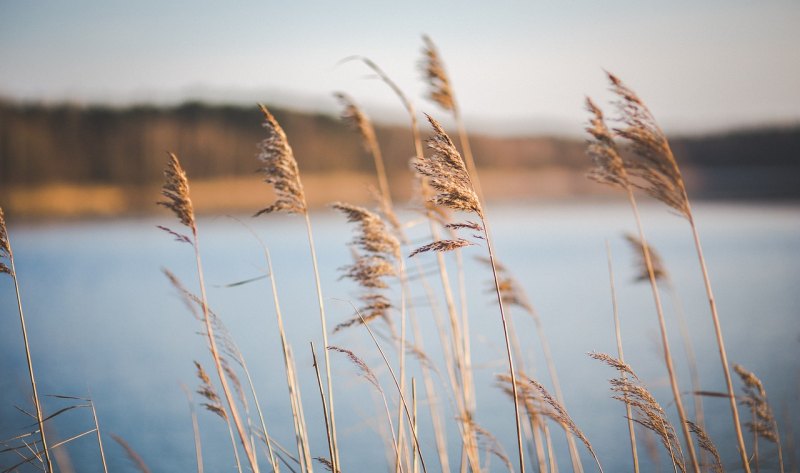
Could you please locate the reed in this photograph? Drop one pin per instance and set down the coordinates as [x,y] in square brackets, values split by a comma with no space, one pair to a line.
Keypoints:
[178,200]
[610,168]
[281,172]
[656,168]
[763,423]
[8,254]
[649,413]
[448,175]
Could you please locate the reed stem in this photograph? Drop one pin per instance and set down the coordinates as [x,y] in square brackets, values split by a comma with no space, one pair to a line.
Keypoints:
[251,458]
[618,336]
[37,405]
[720,343]
[335,452]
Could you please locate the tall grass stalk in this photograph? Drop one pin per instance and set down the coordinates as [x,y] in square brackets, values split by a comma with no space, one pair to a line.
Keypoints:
[303,450]
[280,170]
[7,252]
[449,177]
[657,166]
[99,437]
[610,169]
[621,354]
[198,447]
[324,407]
[176,191]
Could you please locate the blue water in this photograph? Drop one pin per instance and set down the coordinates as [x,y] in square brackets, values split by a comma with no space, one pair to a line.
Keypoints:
[104,322]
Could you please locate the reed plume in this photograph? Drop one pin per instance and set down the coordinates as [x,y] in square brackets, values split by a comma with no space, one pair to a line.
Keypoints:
[706,444]
[8,254]
[763,423]
[655,165]
[649,412]
[214,405]
[610,168]
[281,172]
[137,460]
[440,91]
[560,415]
[178,200]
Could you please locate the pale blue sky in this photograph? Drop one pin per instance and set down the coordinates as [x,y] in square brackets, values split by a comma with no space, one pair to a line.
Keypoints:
[522,64]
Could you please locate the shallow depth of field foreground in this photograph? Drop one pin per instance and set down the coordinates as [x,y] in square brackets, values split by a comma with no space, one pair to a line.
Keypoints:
[413,303]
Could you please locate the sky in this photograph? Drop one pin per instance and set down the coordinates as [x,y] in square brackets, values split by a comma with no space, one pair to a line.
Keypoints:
[516,66]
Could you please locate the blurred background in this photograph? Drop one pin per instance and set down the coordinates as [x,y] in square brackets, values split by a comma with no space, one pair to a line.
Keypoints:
[94,94]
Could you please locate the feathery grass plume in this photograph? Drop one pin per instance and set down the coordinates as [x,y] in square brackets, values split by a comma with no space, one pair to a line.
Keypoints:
[373,236]
[612,169]
[615,363]
[176,192]
[510,289]
[654,164]
[214,405]
[650,415]
[353,116]
[649,412]
[559,413]
[609,167]
[325,462]
[7,253]
[207,391]
[280,169]
[436,76]
[137,460]
[447,173]
[5,246]
[706,444]
[763,423]
[363,370]
[441,245]
[638,247]
[491,445]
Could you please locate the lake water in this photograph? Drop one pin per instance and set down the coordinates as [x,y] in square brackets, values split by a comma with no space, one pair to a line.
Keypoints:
[103,321]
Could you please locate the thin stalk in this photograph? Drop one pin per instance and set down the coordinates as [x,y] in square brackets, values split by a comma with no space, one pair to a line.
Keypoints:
[99,439]
[720,342]
[198,449]
[267,437]
[402,355]
[688,347]
[251,458]
[37,404]
[301,413]
[324,406]
[335,452]
[673,381]
[415,466]
[508,347]
[618,336]
[301,438]
[233,445]
[553,373]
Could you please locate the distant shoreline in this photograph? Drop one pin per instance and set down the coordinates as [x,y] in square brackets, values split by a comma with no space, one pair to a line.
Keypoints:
[248,194]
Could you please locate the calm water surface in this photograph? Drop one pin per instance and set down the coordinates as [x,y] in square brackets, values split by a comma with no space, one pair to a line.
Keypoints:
[103,321]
